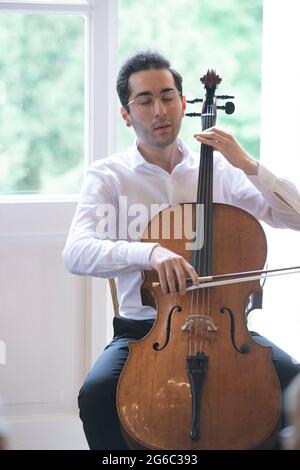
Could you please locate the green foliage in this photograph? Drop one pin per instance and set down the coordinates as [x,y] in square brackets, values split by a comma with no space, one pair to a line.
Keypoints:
[42,80]
[195,35]
[42,103]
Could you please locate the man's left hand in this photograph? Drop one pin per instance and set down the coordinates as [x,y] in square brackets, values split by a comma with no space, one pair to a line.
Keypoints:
[227,145]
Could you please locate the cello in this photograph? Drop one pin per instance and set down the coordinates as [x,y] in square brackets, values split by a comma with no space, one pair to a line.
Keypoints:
[198,380]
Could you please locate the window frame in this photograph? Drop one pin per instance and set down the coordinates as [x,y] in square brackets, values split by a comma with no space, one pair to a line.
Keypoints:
[100,73]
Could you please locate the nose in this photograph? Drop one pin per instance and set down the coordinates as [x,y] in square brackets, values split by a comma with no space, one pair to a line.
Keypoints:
[158,107]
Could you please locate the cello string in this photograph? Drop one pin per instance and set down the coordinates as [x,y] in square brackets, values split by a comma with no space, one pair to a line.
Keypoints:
[195,301]
[202,253]
[211,228]
[191,314]
[207,251]
[208,232]
[201,257]
[204,258]
[205,254]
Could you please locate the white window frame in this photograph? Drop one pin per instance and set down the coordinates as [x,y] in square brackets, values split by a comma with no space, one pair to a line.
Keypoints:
[100,76]
[37,218]
[280,321]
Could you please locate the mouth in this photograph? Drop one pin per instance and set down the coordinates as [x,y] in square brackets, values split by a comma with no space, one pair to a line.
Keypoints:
[162,127]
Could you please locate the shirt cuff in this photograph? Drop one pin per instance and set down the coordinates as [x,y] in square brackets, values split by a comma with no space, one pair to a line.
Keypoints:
[139,254]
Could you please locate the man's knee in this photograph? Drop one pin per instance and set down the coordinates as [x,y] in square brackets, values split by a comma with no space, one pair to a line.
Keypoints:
[96,395]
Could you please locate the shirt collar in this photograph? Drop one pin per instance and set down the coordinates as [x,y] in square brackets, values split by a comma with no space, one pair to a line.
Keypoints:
[136,158]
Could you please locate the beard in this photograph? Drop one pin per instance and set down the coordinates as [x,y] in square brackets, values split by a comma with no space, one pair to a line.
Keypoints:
[152,137]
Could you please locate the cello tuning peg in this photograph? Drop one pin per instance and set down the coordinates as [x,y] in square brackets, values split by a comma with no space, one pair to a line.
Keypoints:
[192,114]
[194,100]
[229,107]
[225,97]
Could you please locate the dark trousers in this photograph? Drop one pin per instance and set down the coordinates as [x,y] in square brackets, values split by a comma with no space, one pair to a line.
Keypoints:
[97,397]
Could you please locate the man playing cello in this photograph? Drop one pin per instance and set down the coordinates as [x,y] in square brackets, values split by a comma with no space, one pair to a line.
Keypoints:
[159,168]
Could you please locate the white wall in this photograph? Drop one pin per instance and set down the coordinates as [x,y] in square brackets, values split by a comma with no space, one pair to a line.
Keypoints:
[280,318]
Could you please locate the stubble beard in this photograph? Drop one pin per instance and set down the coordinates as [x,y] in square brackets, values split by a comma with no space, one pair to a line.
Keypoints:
[155,141]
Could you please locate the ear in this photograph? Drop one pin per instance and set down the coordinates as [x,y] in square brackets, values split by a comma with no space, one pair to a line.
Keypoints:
[125,116]
[183,104]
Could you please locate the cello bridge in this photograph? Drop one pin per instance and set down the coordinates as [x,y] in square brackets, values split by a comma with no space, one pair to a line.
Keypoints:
[205,322]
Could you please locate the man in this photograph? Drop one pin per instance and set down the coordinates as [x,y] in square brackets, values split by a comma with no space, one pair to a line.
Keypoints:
[157,169]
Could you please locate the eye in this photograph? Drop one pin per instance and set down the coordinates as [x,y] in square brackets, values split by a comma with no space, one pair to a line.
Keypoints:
[168,96]
[144,100]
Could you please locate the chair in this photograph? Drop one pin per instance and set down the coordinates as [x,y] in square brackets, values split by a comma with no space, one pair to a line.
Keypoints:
[114,296]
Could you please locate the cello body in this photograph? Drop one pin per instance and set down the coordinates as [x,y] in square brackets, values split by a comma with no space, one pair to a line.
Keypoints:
[240,399]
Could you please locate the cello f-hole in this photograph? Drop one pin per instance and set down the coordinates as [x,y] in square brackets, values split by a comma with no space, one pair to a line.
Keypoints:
[156,346]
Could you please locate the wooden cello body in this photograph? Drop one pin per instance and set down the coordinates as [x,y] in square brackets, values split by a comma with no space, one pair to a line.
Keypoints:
[198,380]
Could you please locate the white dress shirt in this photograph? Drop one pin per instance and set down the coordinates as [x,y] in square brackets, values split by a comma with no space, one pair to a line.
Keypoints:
[93,252]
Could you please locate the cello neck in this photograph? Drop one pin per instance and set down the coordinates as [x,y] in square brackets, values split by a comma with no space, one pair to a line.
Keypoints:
[202,257]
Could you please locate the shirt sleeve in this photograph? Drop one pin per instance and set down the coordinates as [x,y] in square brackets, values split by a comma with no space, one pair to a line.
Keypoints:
[93,249]
[270,199]
[277,190]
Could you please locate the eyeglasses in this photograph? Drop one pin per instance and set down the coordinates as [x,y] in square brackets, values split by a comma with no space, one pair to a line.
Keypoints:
[168,98]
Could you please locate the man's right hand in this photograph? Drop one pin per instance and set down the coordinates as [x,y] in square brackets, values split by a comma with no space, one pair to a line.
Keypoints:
[172,270]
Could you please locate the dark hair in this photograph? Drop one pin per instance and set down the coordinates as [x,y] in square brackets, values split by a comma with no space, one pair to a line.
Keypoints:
[144,60]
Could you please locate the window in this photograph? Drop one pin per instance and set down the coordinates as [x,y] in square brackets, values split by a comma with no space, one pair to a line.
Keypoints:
[195,36]
[280,319]
[42,101]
